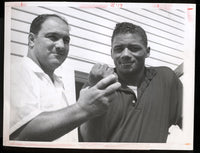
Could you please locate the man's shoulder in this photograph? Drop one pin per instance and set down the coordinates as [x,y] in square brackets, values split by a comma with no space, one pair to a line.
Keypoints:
[20,71]
[19,66]
[163,71]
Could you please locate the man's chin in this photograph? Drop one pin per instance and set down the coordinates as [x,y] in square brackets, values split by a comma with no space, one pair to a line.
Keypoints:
[57,61]
[126,71]
[55,64]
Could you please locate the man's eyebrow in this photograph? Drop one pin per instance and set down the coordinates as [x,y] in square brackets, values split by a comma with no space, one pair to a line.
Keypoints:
[52,33]
[136,45]
[132,44]
[119,44]
[57,34]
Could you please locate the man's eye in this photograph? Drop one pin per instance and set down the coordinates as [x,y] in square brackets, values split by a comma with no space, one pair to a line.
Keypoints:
[134,48]
[118,49]
[53,38]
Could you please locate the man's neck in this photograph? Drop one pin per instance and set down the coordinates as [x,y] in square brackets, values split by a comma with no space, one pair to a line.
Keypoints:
[133,79]
[49,72]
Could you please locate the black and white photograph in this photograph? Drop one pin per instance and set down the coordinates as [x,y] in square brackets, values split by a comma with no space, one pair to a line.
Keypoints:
[88,75]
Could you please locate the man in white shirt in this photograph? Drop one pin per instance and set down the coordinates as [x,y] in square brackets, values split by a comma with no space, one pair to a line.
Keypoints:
[39,108]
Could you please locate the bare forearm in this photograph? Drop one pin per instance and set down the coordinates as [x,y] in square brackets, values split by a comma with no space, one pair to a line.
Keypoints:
[92,102]
[49,126]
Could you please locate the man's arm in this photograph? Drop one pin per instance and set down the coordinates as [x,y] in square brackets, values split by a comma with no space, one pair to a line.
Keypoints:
[48,126]
[176,99]
[92,131]
[180,104]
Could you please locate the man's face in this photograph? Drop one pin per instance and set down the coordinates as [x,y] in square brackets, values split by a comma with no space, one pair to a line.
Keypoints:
[51,44]
[129,53]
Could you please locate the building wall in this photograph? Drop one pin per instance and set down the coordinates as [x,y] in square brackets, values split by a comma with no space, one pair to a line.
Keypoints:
[91,30]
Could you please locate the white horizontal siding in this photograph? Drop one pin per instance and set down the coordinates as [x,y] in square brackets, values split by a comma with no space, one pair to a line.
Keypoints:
[94,45]
[170,15]
[91,31]
[18,36]
[166,50]
[146,23]
[20,25]
[143,19]
[19,49]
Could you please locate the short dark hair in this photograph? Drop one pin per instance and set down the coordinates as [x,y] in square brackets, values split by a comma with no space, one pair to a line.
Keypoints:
[40,19]
[127,27]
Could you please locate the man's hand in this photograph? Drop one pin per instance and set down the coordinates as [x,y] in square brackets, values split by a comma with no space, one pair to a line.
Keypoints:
[96,100]
[50,125]
[99,72]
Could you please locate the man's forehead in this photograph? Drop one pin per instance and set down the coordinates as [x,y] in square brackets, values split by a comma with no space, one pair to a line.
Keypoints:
[127,36]
[52,20]
[53,25]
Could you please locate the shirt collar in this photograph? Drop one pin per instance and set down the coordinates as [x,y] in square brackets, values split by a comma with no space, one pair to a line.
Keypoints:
[35,68]
[32,65]
[149,74]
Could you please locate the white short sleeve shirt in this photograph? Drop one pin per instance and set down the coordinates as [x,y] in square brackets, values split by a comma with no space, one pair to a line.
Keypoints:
[33,92]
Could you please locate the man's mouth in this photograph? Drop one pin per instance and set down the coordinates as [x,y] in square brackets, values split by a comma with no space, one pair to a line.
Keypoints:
[126,63]
[58,56]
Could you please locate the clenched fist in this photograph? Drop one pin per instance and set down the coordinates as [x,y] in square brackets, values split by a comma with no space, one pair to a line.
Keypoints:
[96,100]
[99,72]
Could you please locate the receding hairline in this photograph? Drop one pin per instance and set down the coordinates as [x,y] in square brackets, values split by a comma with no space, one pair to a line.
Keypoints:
[58,17]
[37,22]
[53,19]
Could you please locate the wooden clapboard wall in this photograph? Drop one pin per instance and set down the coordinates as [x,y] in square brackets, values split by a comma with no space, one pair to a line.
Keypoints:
[91,30]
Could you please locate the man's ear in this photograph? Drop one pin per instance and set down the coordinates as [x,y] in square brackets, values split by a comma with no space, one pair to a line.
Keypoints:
[148,52]
[31,40]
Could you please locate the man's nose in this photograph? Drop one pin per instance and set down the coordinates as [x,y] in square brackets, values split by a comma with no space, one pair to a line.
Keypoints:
[126,52]
[60,44]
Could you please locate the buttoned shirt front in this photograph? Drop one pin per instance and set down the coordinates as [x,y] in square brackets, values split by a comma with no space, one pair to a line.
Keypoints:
[145,117]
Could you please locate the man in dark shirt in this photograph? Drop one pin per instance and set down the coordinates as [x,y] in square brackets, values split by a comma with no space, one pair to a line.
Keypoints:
[149,100]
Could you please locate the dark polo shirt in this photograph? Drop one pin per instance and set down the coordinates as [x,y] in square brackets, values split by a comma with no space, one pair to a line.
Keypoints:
[157,107]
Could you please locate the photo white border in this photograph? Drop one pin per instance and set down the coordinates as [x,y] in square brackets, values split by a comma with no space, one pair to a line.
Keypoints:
[188,81]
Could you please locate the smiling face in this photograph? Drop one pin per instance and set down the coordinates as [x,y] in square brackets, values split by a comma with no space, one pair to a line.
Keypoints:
[51,45]
[129,53]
